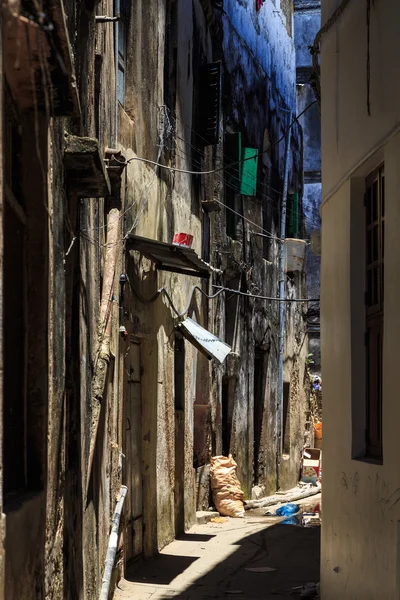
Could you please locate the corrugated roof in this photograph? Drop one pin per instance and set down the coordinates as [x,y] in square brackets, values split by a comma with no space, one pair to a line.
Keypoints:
[204,341]
[168,257]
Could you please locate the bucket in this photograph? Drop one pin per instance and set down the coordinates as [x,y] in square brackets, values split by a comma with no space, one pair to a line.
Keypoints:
[318,430]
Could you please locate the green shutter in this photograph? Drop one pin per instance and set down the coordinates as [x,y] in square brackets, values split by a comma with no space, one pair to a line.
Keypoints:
[248,179]
[293,216]
[242,176]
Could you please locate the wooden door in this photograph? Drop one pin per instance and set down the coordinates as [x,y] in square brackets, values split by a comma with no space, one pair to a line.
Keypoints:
[133,455]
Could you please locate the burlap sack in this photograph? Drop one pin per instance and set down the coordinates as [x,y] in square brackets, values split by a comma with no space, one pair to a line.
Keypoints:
[228,497]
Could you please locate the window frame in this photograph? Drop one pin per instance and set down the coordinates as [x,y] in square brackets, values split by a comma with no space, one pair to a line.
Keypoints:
[374,310]
[122,29]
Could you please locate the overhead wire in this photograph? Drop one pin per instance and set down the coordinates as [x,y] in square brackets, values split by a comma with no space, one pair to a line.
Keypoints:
[220,289]
[232,186]
[209,172]
[162,291]
[259,205]
[273,299]
[224,168]
[223,154]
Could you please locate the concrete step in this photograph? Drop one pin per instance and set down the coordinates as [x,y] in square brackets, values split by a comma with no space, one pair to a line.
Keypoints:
[205,516]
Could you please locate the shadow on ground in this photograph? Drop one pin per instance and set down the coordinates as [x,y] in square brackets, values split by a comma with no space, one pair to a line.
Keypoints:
[293,551]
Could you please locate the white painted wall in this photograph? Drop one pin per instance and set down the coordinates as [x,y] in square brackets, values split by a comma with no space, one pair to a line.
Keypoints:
[361,501]
[349,134]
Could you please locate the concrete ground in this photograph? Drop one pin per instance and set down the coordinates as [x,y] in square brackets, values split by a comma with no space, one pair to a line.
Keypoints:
[211,561]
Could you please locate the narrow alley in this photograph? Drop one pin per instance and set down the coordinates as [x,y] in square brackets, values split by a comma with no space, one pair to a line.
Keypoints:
[254,557]
[199,299]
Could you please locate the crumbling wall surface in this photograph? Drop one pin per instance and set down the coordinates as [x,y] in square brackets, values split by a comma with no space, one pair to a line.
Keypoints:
[162,204]
[54,576]
[259,93]
[297,416]
[307,22]
[267,35]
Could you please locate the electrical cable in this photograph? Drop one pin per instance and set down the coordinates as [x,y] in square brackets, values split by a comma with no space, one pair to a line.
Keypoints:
[223,154]
[218,169]
[248,295]
[221,289]
[163,291]
[249,198]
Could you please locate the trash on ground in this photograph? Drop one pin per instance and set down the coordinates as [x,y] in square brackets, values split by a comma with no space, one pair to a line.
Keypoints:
[227,494]
[311,520]
[311,471]
[219,520]
[309,591]
[260,569]
[287,510]
[291,521]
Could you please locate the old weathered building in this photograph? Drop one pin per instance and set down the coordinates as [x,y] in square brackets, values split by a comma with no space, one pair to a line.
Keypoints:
[125,123]
[307,22]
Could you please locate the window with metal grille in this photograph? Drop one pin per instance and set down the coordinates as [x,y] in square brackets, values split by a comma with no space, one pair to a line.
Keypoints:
[122,37]
[375,242]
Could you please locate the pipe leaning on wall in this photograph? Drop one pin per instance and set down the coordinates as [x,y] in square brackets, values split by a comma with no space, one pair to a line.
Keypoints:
[112,546]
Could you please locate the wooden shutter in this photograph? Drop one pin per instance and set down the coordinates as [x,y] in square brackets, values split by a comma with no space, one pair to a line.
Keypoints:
[210,106]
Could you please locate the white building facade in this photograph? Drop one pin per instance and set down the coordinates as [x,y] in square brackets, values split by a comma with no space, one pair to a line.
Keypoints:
[359,301]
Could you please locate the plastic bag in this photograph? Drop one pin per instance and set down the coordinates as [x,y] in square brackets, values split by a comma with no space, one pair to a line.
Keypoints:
[287,510]
[228,497]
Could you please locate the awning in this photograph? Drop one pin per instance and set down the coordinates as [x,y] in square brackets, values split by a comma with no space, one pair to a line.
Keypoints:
[168,257]
[204,341]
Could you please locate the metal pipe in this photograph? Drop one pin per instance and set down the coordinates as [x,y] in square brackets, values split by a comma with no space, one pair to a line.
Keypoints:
[105,19]
[282,308]
[122,328]
[112,546]
[116,31]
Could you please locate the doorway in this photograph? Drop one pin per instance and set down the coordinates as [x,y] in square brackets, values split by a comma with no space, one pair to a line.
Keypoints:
[133,454]
[179,381]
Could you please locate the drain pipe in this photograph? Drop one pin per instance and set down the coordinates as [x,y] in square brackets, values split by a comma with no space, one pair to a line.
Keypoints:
[282,308]
[117,9]
[112,546]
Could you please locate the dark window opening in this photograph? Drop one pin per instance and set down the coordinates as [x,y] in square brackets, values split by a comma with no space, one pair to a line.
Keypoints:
[122,27]
[233,200]
[98,62]
[179,372]
[292,221]
[205,253]
[171,56]
[210,102]
[260,378]
[232,307]
[234,221]
[286,418]
[374,234]
[25,317]
[226,430]
[12,149]
[15,459]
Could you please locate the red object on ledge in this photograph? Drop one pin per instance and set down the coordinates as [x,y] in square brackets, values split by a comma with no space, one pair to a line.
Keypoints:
[259,4]
[183,239]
